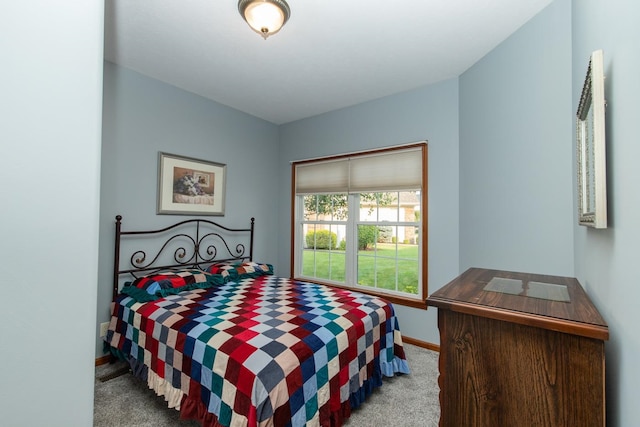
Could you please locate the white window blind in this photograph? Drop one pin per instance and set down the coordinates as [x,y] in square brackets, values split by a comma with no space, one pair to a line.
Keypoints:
[398,169]
[323,177]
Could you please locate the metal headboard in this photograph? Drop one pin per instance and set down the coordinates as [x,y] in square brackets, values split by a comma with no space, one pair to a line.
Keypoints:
[196,243]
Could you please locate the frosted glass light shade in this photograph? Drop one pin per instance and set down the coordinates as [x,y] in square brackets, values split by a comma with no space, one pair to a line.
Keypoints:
[266,17]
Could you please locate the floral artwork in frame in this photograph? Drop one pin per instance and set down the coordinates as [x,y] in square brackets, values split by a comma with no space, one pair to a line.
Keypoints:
[188,186]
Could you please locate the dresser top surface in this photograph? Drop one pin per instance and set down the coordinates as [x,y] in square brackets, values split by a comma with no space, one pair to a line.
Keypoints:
[551,302]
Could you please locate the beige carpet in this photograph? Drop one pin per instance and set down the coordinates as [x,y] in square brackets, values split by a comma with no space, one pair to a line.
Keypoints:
[402,401]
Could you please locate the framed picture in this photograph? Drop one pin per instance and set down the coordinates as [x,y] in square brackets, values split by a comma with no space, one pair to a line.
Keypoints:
[188,186]
[591,149]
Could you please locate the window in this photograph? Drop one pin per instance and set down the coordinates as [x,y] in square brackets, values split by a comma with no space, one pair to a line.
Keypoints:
[360,222]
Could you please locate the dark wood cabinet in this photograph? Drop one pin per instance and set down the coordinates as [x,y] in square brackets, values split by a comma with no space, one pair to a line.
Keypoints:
[519,349]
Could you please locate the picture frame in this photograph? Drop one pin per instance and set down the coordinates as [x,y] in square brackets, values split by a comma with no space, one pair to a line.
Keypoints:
[189,186]
[591,147]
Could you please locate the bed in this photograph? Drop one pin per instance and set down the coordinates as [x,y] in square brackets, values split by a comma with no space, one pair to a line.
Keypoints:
[228,343]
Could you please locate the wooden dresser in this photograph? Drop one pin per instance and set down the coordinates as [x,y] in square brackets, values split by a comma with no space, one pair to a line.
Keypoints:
[519,349]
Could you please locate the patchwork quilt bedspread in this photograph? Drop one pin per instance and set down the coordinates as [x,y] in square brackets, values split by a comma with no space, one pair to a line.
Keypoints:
[264,351]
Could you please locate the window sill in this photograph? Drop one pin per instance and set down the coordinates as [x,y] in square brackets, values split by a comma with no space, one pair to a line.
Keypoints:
[395,299]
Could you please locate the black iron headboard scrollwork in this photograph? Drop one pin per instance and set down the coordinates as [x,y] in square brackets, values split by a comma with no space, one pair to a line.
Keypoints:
[196,243]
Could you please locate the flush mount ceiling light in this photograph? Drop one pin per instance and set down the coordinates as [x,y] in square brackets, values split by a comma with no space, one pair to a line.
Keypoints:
[265,17]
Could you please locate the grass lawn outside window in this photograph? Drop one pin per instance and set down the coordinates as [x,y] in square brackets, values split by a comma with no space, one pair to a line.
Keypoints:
[377,268]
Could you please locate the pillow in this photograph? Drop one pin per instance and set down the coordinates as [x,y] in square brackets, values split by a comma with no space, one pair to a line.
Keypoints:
[163,283]
[236,270]
[253,269]
[225,269]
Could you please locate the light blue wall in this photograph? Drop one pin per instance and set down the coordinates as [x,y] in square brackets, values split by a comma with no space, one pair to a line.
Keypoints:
[429,113]
[606,260]
[516,148]
[50,119]
[143,116]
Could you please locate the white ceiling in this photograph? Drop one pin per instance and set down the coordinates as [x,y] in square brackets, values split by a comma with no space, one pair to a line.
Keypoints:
[331,54]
